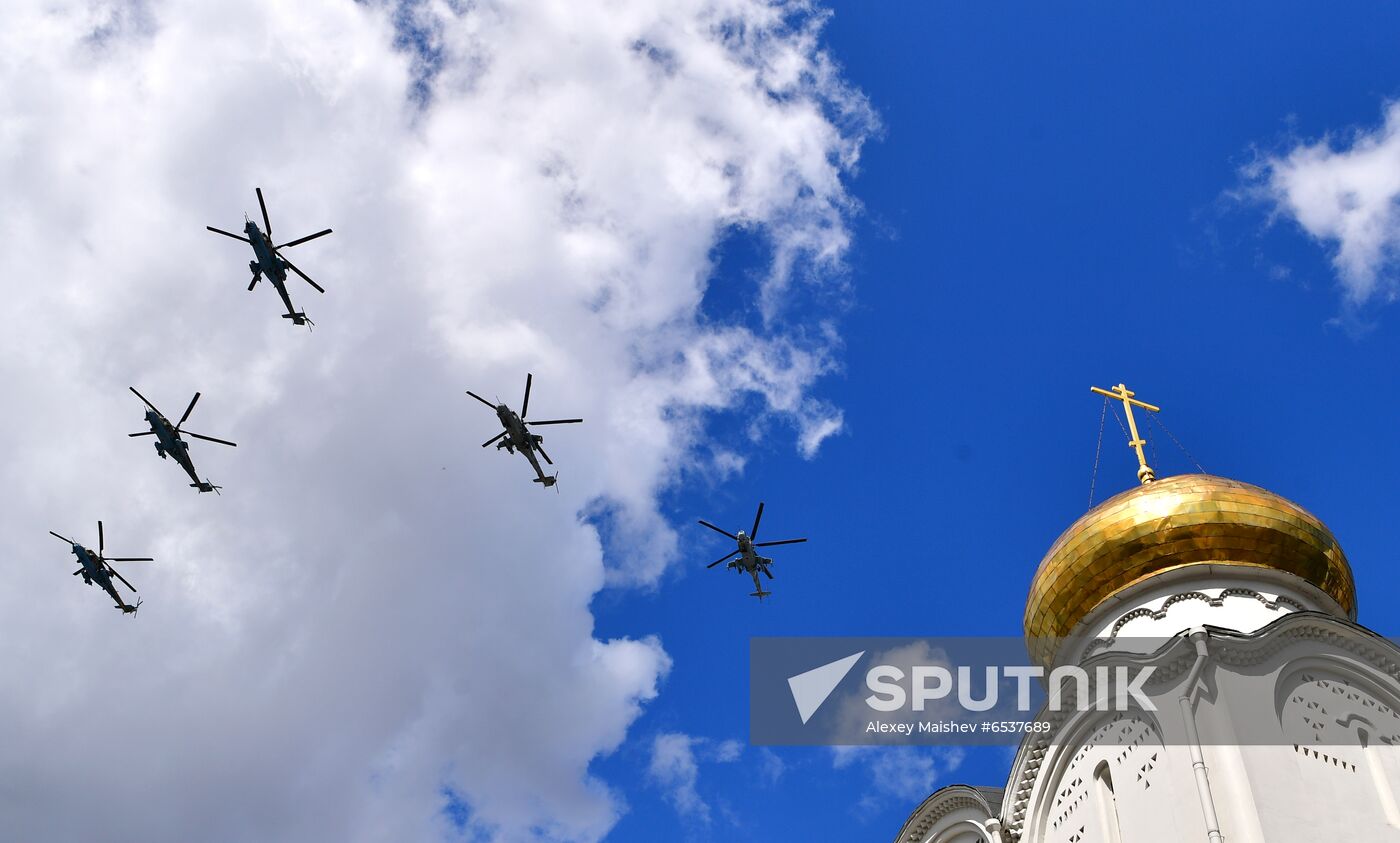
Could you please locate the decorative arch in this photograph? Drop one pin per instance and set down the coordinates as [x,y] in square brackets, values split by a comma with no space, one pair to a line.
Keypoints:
[1342,719]
[952,813]
[1067,805]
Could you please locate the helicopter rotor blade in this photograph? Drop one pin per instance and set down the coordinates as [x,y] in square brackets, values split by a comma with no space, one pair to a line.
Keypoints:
[101,540]
[558,421]
[525,405]
[266,222]
[543,454]
[723,558]
[143,399]
[227,234]
[482,400]
[718,530]
[210,439]
[784,541]
[61,538]
[113,572]
[188,410]
[145,433]
[131,559]
[304,276]
[493,439]
[753,534]
[766,572]
[304,239]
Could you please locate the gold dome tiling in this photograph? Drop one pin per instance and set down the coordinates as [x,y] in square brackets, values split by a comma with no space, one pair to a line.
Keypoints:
[1190,519]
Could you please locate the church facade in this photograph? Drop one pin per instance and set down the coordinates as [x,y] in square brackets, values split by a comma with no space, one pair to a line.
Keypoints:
[1282,722]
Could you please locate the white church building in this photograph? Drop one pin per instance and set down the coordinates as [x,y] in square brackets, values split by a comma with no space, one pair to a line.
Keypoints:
[1282,722]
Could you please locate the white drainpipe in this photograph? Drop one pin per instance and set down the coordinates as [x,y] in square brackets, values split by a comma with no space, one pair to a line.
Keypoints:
[1193,738]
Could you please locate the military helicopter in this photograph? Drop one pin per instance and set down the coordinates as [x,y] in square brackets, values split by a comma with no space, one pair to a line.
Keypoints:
[749,562]
[97,568]
[270,261]
[169,443]
[517,437]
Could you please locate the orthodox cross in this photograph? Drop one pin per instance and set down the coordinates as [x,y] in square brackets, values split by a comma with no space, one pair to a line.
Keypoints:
[1145,473]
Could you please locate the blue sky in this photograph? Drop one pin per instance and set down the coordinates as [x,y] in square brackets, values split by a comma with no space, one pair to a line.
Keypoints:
[718,230]
[1057,200]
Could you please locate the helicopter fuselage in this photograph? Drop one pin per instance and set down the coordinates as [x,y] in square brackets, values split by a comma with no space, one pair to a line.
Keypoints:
[169,443]
[749,562]
[519,438]
[516,433]
[94,571]
[271,267]
[745,559]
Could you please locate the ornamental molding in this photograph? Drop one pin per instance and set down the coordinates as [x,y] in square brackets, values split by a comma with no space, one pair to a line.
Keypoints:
[1273,604]
[1227,647]
[940,804]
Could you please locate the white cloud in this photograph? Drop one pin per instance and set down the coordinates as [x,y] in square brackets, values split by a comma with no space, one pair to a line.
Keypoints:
[903,774]
[675,768]
[771,766]
[727,751]
[1345,193]
[377,611]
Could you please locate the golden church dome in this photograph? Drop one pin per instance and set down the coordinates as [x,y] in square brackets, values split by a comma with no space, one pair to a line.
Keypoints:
[1173,523]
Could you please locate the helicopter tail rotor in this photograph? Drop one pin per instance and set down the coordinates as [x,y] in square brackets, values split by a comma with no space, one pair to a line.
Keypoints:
[299,318]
